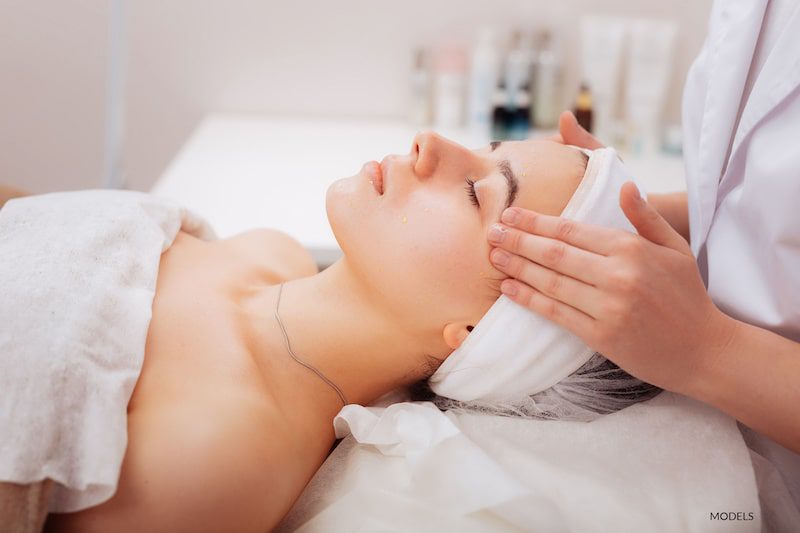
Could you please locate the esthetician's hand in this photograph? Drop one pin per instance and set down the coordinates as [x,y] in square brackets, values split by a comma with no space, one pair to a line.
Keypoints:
[637,299]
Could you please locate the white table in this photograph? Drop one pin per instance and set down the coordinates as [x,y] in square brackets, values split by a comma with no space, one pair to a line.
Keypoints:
[248,171]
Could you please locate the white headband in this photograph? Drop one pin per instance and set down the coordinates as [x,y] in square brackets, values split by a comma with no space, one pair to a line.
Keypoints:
[515,352]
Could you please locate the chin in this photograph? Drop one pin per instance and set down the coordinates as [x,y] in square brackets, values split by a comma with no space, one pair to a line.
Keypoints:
[340,207]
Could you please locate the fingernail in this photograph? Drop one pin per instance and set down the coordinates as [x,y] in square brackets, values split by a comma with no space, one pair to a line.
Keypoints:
[510,216]
[497,233]
[508,288]
[500,258]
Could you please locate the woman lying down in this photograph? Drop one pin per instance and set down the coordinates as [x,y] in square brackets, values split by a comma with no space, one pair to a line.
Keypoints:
[214,413]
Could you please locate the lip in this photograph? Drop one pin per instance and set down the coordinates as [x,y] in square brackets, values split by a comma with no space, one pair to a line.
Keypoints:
[374,172]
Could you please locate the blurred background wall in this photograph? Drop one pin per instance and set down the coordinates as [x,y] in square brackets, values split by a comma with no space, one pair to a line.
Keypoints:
[186,58]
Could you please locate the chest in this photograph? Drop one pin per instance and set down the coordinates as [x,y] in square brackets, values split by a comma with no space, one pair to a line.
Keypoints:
[194,340]
[200,362]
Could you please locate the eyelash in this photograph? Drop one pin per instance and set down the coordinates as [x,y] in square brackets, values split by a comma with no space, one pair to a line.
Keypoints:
[470,188]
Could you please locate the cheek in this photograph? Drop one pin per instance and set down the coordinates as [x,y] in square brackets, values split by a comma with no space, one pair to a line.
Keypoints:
[443,246]
[423,256]
[435,255]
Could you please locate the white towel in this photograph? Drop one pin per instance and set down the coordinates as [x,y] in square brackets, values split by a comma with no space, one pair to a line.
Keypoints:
[77,279]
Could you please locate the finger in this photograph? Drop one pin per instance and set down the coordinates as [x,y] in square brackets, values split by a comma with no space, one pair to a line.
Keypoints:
[560,313]
[563,288]
[647,221]
[573,133]
[551,253]
[589,237]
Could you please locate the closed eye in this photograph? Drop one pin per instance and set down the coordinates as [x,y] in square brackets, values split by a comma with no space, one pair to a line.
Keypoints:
[470,188]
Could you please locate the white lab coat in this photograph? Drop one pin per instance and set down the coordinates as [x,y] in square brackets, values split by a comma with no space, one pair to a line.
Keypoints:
[744,180]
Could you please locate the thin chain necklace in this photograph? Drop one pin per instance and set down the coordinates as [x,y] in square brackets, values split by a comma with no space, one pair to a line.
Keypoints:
[291,352]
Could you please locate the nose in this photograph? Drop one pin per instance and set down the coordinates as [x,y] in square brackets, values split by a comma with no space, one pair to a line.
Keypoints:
[433,154]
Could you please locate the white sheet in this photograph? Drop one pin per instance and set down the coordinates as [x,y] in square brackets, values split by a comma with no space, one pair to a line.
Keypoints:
[77,278]
[663,465]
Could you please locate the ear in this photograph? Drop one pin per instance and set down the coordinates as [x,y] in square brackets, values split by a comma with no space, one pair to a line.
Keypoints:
[455,333]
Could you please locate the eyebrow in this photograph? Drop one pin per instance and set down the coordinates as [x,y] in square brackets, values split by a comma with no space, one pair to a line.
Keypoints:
[505,168]
[511,180]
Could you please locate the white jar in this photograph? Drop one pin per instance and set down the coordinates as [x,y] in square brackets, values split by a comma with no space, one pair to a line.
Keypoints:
[420,108]
[484,71]
[449,87]
[546,104]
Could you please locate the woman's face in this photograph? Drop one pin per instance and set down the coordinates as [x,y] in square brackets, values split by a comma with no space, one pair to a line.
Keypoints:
[413,228]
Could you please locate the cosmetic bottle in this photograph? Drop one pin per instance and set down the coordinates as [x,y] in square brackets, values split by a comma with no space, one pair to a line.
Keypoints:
[648,76]
[583,108]
[517,68]
[500,114]
[602,40]
[516,82]
[519,116]
[420,109]
[482,83]
[546,87]
[449,87]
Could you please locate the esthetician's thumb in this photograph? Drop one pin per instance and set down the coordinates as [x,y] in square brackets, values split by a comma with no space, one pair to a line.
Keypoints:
[574,134]
[648,223]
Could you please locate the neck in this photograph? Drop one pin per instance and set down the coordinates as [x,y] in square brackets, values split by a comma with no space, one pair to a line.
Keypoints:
[334,325]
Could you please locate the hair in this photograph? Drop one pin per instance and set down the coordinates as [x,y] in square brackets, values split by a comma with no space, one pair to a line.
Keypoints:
[597,388]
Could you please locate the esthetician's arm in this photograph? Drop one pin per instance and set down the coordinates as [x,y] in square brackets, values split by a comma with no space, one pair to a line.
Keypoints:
[672,206]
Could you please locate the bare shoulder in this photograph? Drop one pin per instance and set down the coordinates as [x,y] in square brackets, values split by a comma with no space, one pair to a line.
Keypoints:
[7,193]
[277,250]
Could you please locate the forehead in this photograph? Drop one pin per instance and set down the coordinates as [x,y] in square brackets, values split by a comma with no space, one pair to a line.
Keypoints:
[548,172]
[529,150]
